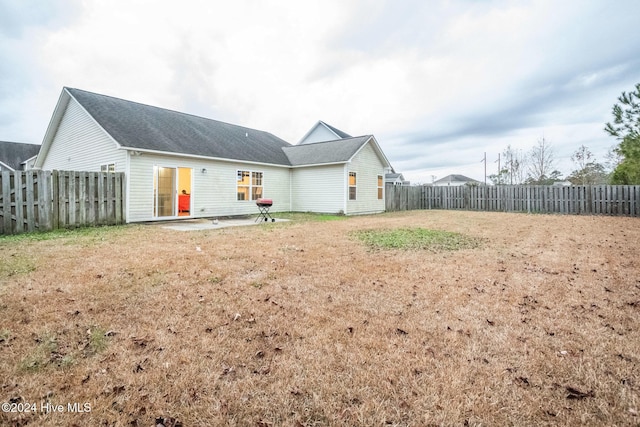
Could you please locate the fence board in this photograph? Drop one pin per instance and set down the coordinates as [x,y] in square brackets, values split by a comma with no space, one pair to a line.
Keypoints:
[45,200]
[6,202]
[119,199]
[71,178]
[30,201]
[82,198]
[578,200]
[18,204]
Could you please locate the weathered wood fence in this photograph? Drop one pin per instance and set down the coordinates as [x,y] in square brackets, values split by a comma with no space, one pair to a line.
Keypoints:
[621,200]
[47,200]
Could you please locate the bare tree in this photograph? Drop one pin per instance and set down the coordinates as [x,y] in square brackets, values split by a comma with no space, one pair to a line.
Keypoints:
[514,164]
[582,158]
[589,171]
[541,167]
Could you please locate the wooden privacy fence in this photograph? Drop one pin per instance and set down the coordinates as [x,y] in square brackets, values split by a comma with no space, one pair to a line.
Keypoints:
[621,200]
[47,200]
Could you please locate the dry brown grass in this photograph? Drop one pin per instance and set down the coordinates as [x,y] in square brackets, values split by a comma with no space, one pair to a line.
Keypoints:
[299,324]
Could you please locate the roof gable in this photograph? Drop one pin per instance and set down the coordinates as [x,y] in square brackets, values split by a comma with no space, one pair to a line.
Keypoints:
[394,176]
[331,152]
[139,126]
[336,151]
[338,132]
[322,132]
[13,154]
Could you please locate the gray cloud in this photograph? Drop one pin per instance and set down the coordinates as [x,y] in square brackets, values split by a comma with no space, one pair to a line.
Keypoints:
[18,16]
[438,82]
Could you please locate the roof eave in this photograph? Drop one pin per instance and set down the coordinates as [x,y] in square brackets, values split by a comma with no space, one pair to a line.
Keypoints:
[376,148]
[307,165]
[309,132]
[4,165]
[118,145]
[196,156]
[29,159]
[54,123]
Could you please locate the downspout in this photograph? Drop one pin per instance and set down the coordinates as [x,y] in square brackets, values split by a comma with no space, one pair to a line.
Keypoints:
[127,174]
[290,190]
[345,188]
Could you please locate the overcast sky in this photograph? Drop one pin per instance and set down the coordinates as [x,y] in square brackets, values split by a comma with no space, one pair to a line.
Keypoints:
[437,82]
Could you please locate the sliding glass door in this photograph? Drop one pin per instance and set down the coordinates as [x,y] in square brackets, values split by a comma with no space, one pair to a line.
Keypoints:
[166,183]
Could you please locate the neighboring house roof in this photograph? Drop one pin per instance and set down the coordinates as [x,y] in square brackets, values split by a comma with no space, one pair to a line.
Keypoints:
[14,154]
[393,176]
[143,127]
[455,178]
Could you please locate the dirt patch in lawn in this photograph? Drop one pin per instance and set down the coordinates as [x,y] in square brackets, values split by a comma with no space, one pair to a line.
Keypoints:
[302,324]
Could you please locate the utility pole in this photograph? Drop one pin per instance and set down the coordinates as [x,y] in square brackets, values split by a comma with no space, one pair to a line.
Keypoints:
[498,169]
[484,159]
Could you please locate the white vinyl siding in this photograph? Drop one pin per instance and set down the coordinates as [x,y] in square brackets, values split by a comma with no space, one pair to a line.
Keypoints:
[318,189]
[214,191]
[319,133]
[80,144]
[368,167]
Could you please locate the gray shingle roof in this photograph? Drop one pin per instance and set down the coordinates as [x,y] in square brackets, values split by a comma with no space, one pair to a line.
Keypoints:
[455,178]
[337,131]
[140,126]
[337,151]
[13,154]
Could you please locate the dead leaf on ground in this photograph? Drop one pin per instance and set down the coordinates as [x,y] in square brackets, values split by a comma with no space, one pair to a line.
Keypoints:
[574,393]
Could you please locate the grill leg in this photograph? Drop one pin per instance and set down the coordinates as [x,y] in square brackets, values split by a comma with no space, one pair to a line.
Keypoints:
[264,213]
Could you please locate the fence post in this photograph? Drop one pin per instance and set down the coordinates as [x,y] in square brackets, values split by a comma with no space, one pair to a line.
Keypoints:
[45,204]
[119,199]
[7,227]
[19,203]
[29,201]
[55,200]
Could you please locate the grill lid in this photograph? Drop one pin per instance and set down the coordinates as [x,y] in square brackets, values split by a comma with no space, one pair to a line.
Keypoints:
[264,202]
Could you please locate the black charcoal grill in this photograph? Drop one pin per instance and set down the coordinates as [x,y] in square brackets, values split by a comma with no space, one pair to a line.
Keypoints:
[264,205]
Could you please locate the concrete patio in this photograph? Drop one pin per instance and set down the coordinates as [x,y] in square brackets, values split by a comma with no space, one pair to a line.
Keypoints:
[214,224]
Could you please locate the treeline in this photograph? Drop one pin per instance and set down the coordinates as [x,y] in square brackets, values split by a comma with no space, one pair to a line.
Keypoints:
[538,166]
[621,166]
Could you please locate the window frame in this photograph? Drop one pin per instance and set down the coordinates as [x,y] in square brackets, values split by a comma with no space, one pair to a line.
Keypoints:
[353,186]
[380,187]
[254,186]
[108,167]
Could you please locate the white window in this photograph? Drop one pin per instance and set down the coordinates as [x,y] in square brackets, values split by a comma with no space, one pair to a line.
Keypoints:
[380,187]
[249,185]
[352,186]
[111,167]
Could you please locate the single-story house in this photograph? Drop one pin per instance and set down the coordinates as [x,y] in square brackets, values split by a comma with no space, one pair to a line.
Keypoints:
[17,156]
[453,180]
[395,179]
[179,165]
